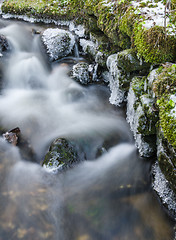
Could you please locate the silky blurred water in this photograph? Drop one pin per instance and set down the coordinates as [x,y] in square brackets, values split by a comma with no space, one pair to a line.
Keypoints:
[106,197]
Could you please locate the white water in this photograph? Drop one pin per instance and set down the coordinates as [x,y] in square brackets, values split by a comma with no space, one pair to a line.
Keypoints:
[40,102]
[87,202]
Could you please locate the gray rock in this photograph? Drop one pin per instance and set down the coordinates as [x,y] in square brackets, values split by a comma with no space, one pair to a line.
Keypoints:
[59,43]
[4,46]
[80,72]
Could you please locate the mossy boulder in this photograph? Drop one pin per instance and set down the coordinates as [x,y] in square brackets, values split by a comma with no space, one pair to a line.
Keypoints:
[38,9]
[62,155]
[167,159]
[154,45]
[129,61]
[58,42]
[164,87]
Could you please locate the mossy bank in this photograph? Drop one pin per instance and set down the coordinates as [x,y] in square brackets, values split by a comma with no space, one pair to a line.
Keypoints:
[123,22]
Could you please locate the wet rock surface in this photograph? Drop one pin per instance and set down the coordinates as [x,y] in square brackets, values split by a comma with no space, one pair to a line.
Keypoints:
[4,46]
[61,156]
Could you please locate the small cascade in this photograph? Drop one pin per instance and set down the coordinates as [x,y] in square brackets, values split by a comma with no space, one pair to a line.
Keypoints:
[76,50]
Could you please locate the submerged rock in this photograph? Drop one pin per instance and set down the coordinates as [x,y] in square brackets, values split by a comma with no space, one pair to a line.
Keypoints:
[59,43]
[4,46]
[62,154]
[16,138]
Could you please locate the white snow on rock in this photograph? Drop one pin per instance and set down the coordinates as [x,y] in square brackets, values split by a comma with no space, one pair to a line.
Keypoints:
[88,47]
[80,72]
[154,13]
[79,30]
[59,42]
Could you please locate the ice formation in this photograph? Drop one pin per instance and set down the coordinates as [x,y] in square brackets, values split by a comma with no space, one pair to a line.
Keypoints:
[161,186]
[59,42]
[117,95]
[145,149]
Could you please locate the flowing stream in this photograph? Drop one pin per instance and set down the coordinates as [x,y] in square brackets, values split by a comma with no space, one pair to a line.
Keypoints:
[103,198]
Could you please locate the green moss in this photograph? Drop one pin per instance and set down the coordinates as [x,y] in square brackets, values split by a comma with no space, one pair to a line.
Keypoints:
[164,87]
[36,8]
[108,22]
[167,159]
[127,21]
[167,121]
[138,86]
[153,45]
[166,81]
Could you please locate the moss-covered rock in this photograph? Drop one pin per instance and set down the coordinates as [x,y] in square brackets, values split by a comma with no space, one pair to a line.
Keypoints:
[42,8]
[154,45]
[167,159]
[62,154]
[165,80]
[121,21]
[164,87]
[129,61]
[142,126]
